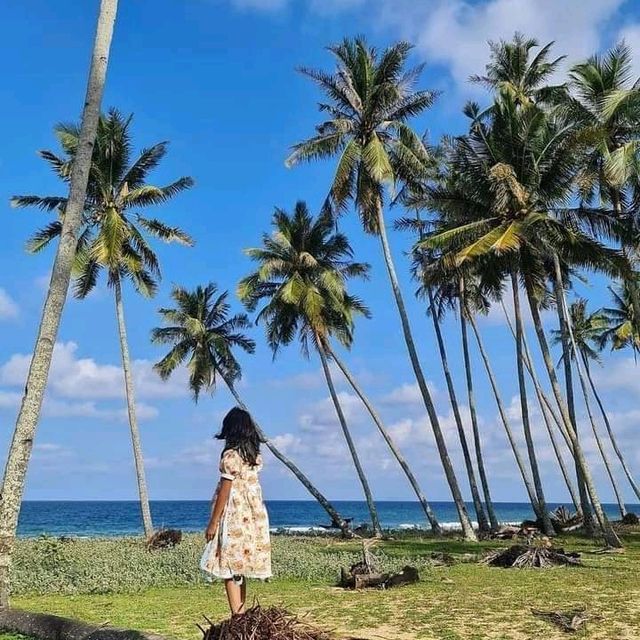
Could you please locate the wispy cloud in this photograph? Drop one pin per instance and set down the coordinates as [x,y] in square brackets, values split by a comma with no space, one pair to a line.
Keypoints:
[84,378]
[9,308]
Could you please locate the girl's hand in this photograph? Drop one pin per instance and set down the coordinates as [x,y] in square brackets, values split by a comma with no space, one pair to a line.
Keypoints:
[210,531]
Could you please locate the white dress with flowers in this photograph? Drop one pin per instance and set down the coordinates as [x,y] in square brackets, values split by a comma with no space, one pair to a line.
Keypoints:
[241,546]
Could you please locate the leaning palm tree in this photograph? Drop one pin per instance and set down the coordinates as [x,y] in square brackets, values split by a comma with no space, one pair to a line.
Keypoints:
[301,277]
[203,334]
[369,99]
[588,329]
[27,422]
[114,235]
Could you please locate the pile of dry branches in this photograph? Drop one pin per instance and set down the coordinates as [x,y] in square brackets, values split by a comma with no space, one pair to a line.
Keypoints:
[538,557]
[272,623]
[164,539]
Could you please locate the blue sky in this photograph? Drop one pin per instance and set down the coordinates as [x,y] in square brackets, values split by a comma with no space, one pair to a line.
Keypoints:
[217,79]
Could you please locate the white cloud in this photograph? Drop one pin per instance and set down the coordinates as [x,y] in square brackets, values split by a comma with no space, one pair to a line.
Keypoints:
[64,409]
[322,415]
[408,395]
[619,375]
[8,306]
[455,33]
[84,378]
[9,399]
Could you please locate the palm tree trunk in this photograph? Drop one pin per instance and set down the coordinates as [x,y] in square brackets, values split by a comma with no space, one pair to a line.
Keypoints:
[610,536]
[572,349]
[29,414]
[375,522]
[536,382]
[535,471]
[138,458]
[505,420]
[472,410]
[431,516]
[612,437]
[336,519]
[587,516]
[601,449]
[483,523]
[547,415]
[465,522]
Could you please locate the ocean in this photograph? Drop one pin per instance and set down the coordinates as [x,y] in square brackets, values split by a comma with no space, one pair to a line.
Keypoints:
[98,519]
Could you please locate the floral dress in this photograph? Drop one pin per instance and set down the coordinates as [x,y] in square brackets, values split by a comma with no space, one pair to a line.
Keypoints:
[241,546]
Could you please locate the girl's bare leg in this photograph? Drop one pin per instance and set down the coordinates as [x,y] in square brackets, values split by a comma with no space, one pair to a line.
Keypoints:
[243,595]
[234,595]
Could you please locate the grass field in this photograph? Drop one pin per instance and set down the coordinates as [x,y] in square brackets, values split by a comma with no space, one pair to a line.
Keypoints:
[466,601]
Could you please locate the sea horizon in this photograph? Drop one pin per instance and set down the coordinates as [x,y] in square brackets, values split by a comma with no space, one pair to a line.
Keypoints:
[110,518]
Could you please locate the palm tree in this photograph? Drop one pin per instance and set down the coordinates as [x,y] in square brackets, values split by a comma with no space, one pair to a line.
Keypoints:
[113,234]
[515,172]
[302,274]
[622,326]
[605,105]
[370,99]
[588,329]
[26,424]
[203,334]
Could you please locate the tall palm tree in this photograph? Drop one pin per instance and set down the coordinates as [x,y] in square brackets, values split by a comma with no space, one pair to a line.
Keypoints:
[515,173]
[203,334]
[112,237]
[26,424]
[369,99]
[302,274]
[588,329]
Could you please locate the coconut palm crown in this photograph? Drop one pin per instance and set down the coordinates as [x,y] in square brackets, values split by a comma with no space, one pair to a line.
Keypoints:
[203,334]
[369,99]
[113,231]
[303,268]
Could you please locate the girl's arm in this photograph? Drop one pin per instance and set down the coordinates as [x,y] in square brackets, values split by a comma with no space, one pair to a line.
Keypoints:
[222,497]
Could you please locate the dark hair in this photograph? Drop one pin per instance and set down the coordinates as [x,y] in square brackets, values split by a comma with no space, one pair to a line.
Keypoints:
[239,433]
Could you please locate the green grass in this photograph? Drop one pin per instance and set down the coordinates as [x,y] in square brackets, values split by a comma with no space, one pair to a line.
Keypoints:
[465,601]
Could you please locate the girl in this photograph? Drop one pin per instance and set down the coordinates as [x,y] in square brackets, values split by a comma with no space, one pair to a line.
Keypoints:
[238,545]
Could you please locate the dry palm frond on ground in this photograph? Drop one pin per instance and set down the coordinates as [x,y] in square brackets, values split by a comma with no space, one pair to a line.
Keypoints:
[572,620]
[538,557]
[258,623]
